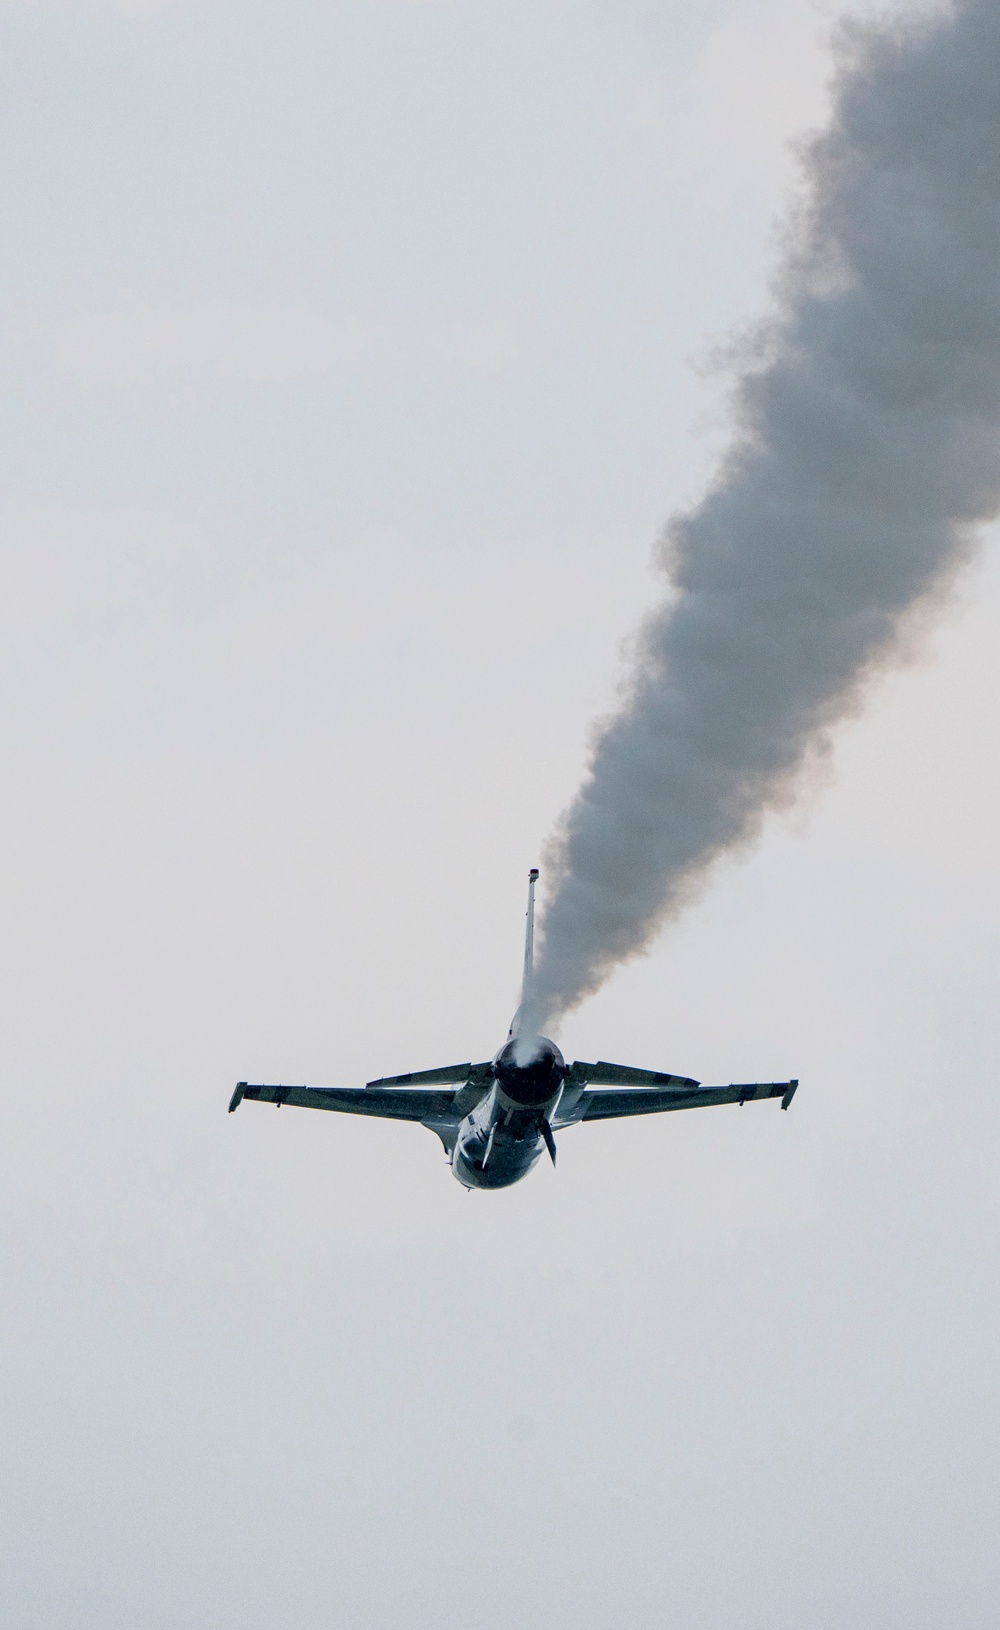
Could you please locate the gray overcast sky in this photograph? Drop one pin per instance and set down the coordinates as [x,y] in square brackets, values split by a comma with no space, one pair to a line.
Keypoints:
[352,358]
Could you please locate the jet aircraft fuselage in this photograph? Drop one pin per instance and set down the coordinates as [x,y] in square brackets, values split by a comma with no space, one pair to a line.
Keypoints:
[505,1134]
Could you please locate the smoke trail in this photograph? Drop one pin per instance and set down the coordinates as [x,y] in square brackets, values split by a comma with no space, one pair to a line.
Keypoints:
[867,446]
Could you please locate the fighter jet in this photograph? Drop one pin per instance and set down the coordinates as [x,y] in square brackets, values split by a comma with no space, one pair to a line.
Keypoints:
[495,1120]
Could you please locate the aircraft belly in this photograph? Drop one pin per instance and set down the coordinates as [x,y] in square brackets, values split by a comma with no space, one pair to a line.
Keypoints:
[496,1160]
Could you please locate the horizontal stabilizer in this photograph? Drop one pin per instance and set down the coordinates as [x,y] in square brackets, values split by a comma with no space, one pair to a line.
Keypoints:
[603,1074]
[454,1073]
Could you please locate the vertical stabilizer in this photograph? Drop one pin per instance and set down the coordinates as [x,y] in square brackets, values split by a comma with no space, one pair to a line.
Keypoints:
[529,940]
[524,1024]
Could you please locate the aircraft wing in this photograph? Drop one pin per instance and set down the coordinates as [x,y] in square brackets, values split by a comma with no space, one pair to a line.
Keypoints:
[650,1092]
[394,1104]
[438,1099]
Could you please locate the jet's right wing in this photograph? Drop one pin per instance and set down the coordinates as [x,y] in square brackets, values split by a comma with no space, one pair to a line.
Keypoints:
[650,1092]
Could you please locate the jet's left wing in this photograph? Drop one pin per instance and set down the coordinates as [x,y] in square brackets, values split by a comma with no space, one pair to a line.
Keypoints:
[438,1099]
[396,1104]
[650,1092]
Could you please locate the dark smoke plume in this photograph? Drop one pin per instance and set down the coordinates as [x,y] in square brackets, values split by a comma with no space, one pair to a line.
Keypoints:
[867,449]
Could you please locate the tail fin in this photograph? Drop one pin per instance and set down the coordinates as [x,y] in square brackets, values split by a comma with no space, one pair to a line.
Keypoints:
[524,1018]
[529,938]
